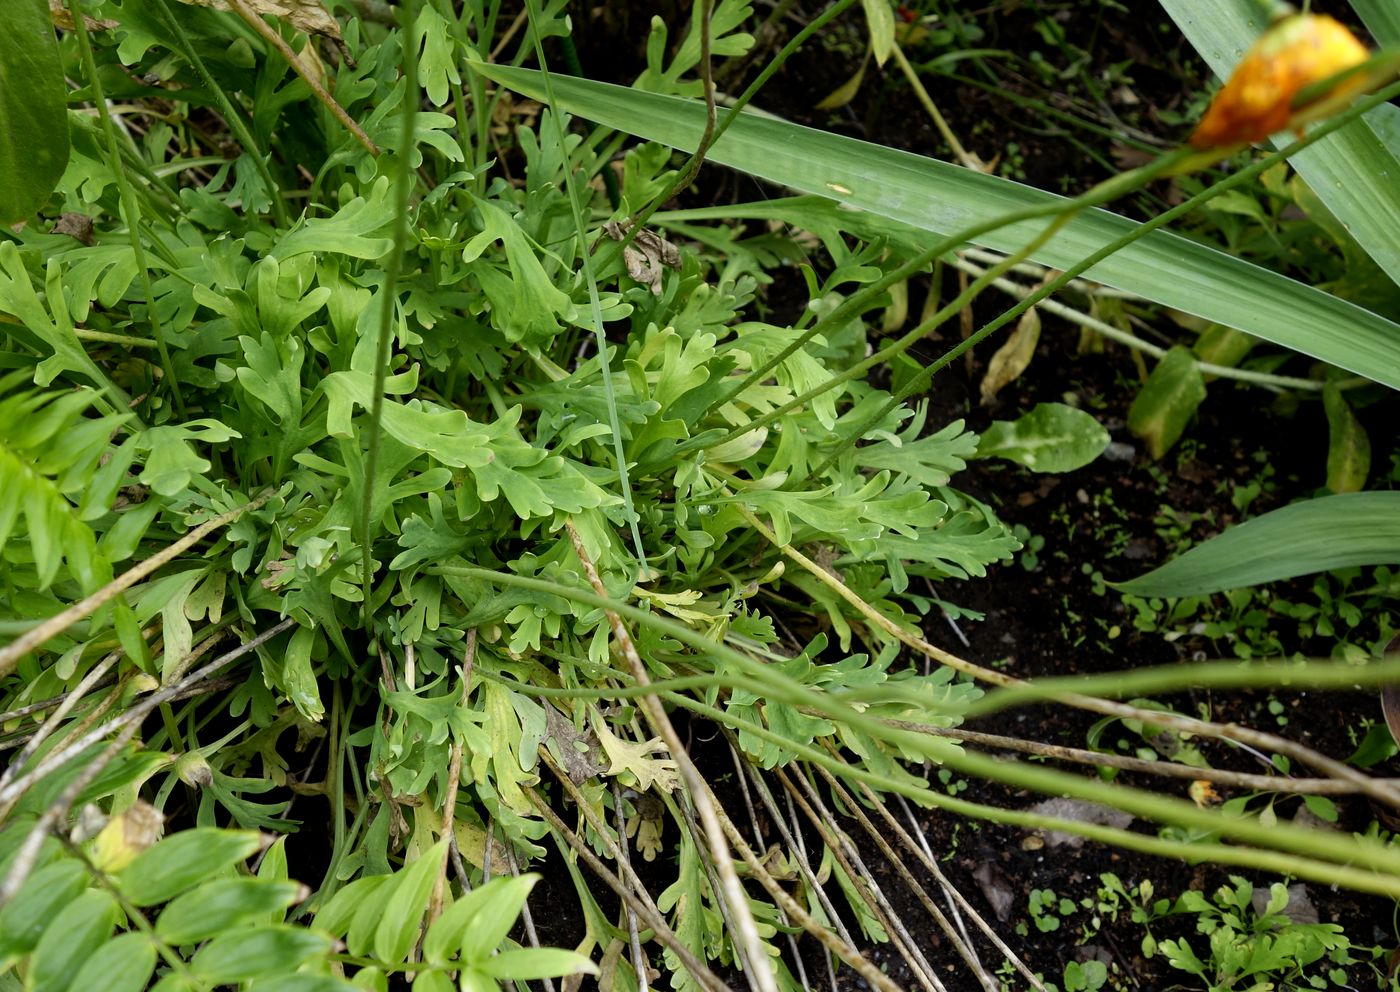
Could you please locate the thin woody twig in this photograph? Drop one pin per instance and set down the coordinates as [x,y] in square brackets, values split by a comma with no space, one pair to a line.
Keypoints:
[55,625]
[653,920]
[274,39]
[733,889]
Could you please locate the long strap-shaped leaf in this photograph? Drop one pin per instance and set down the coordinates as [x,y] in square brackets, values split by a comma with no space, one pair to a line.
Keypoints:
[1352,170]
[942,199]
[1311,536]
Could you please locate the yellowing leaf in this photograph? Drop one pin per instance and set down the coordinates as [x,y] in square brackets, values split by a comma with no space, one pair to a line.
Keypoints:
[1013,357]
[635,759]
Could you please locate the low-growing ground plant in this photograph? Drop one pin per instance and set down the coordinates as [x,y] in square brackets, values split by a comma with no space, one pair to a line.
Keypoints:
[392,495]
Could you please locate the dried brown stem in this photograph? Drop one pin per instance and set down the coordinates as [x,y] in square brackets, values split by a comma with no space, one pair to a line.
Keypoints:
[748,938]
[274,39]
[653,920]
[55,625]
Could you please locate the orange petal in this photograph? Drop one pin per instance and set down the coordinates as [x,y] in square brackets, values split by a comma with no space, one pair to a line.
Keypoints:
[1293,53]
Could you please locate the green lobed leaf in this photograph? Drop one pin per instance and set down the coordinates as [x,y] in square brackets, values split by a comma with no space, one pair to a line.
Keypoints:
[182,861]
[940,198]
[1349,170]
[1311,536]
[1053,437]
[1167,401]
[33,112]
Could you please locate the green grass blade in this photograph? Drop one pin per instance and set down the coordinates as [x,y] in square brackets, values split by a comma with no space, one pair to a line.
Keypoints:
[1352,170]
[1311,536]
[1382,19]
[941,199]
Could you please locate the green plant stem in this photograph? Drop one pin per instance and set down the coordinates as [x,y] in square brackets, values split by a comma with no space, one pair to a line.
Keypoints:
[403,187]
[784,690]
[931,108]
[231,116]
[715,131]
[1138,344]
[921,380]
[130,209]
[595,308]
[1279,862]
[857,302]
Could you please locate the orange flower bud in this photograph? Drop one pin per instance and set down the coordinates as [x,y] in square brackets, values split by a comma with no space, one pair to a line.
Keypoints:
[1293,53]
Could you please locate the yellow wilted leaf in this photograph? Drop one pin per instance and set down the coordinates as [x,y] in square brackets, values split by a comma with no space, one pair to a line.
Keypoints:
[1013,357]
[1293,53]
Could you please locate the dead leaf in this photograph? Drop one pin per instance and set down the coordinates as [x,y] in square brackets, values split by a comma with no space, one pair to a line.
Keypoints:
[635,759]
[1082,812]
[307,16]
[1390,695]
[847,91]
[995,890]
[1013,357]
[63,17]
[646,255]
[576,749]
[77,226]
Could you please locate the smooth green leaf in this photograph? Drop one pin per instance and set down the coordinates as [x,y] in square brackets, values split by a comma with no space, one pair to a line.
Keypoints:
[1311,536]
[42,900]
[182,861]
[33,112]
[1348,447]
[123,964]
[222,905]
[494,922]
[940,198]
[304,983]
[82,927]
[403,911]
[879,17]
[1382,19]
[1349,169]
[1052,437]
[529,963]
[268,951]
[1167,401]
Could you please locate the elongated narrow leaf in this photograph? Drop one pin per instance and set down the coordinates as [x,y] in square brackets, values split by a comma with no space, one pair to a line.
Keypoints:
[33,115]
[1350,170]
[942,199]
[1312,536]
[1382,19]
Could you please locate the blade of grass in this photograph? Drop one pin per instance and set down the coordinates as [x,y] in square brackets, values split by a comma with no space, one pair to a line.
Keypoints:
[939,198]
[1312,536]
